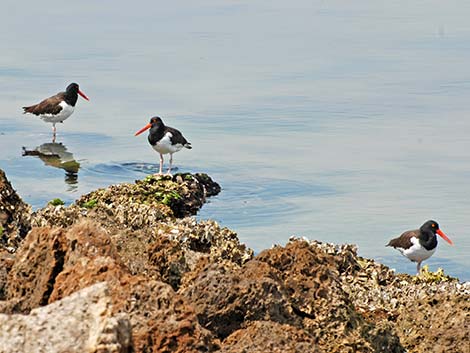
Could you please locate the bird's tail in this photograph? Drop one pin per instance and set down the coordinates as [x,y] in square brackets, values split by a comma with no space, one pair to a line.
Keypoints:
[188,145]
[27,109]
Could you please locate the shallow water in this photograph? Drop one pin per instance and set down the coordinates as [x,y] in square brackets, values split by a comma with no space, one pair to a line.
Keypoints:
[339,121]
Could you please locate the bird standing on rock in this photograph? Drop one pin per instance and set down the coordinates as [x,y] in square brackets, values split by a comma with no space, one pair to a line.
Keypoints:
[164,140]
[420,244]
[57,108]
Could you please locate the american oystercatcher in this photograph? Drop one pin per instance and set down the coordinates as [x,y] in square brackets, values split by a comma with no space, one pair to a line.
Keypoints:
[164,140]
[419,244]
[57,108]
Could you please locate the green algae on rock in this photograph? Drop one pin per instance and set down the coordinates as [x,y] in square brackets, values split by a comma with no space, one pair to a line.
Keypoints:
[137,205]
[56,202]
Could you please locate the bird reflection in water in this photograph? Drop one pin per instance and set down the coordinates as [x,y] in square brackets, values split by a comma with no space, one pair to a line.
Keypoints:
[56,155]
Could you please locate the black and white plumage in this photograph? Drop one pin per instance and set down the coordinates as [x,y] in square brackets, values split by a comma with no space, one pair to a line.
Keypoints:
[164,139]
[57,108]
[419,244]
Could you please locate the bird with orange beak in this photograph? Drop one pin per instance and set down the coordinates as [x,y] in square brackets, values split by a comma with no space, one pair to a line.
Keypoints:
[164,139]
[57,108]
[420,244]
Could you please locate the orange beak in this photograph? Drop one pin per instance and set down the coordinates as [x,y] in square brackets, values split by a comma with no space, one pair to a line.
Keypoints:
[443,236]
[83,95]
[146,127]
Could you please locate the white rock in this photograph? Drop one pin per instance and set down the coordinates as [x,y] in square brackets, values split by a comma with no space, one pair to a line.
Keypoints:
[81,322]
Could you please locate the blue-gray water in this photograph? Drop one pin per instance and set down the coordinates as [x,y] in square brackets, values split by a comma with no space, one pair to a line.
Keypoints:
[343,121]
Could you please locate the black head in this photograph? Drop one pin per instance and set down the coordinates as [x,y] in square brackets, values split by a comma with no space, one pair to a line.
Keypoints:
[71,93]
[430,226]
[156,121]
[73,88]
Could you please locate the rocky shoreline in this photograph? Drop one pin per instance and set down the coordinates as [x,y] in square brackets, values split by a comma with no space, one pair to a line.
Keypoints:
[127,269]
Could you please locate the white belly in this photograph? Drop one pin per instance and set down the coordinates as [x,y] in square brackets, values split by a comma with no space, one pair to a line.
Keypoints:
[417,253]
[164,146]
[66,111]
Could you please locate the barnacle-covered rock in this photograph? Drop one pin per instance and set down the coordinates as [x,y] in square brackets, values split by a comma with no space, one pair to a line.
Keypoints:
[310,272]
[134,206]
[184,194]
[174,246]
[14,216]
[190,286]
[429,312]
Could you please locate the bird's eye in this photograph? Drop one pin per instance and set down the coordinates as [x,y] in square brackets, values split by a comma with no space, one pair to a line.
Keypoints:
[433,225]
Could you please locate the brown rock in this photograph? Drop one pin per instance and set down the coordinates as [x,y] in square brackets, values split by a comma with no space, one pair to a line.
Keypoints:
[14,216]
[438,324]
[161,320]
[38,261]
[6,263]
[180,244]
[226,296]
[312,280]
[268,336]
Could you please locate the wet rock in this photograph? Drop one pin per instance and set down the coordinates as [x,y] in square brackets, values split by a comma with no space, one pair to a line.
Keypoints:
[14,216]
[134,206]
[268,336]
[82,322]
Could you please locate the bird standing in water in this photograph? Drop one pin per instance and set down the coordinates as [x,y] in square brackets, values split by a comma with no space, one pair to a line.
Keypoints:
[57,108]
[164,140]
[420,244]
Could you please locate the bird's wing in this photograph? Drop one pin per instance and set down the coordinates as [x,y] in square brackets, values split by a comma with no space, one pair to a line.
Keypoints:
[404,240]
[47,106]
[176,136]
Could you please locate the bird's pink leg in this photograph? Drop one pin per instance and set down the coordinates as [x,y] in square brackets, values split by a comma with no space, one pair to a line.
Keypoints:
[160,172]
[53,132]
[171,162]
[418,266]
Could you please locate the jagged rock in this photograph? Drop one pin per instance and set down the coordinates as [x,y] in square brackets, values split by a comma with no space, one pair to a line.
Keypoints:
[82,322]
[162,321]
[84,254]
[268,336]
[440,324]
[180,244]
[134,206]
[190,286]
[174,246]
[311,277]
[6,263]
[14,216]
[226,295]
[38,261]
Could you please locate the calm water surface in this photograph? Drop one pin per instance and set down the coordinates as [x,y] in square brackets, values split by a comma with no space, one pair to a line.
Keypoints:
[341,121]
